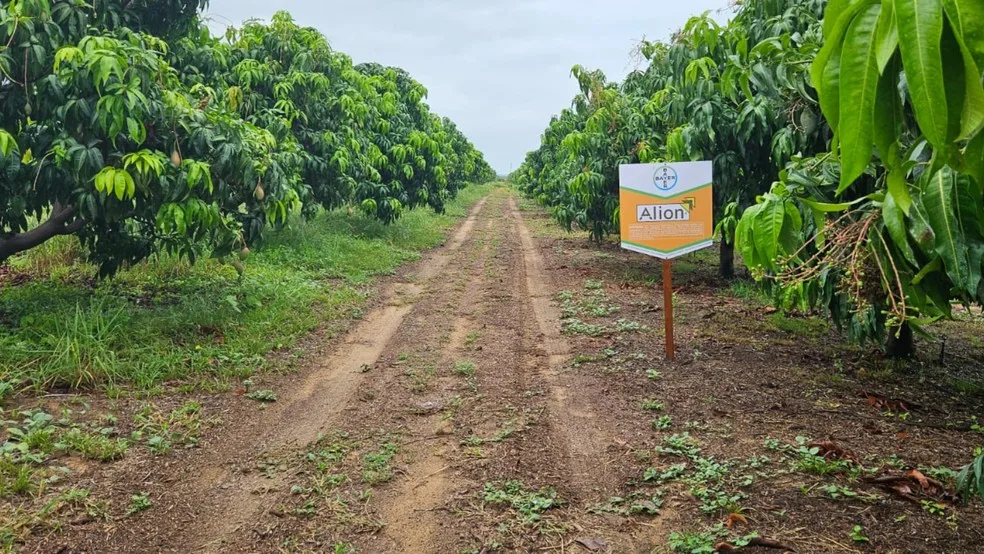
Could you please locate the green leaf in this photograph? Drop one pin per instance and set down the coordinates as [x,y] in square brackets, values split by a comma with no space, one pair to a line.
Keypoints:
[898,190]
[826,68]
[920,24]
[858,88]
[961,14]
[835,9]
[894,219]
[8,144]
[928,269]
[886,35]
[966,16]
[938,197]
[120,186]
[956,86]
[825,207]
[889,120]
[974,158]
[768,230]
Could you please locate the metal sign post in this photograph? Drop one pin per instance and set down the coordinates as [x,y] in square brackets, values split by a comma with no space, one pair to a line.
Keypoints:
[667,210]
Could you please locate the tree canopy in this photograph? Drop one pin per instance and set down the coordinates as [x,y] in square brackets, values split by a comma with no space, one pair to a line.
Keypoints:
[126,123]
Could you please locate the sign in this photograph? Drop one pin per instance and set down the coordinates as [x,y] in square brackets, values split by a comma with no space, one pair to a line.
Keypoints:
[667,210]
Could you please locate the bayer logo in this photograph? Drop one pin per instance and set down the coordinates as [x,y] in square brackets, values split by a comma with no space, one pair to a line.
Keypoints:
[665,178]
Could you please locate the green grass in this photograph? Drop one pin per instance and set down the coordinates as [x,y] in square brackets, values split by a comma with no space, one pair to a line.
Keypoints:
[167,321]
[807,327]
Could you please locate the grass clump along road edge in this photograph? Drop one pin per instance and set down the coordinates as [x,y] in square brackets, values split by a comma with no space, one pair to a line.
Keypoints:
[197,326]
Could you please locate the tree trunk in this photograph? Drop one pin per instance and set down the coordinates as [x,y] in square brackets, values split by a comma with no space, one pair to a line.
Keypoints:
[727,263]
[900,342]
[61,221]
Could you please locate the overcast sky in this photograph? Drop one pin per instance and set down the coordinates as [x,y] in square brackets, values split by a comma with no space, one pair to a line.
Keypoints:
[498,68]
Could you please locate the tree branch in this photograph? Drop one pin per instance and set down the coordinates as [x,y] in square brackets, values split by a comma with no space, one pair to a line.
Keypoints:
[62,221]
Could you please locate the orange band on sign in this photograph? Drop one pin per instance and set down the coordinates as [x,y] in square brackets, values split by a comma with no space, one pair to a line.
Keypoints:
[666,210]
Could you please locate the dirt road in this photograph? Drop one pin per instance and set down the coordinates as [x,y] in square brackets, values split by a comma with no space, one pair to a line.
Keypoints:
[503,394]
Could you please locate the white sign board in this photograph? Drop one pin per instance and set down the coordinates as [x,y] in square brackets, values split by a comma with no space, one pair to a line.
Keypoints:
[667,210]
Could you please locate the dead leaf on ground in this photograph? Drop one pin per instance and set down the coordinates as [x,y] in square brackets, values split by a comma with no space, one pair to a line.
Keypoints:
[592,544]
[886,404]
[832,451]
[914,486]
[735,519]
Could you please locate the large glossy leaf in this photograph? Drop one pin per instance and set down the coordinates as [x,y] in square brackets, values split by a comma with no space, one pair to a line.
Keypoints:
[938,197]
[826,68]
[889,117]
[974,158]
[966,17]
[886,34]
[920,24]
[767,229]
[957,86]
[835,9]
[894,219]
[961,15]
[858,88]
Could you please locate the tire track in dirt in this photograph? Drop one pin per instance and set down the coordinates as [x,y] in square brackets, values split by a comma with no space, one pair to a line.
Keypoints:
[572,413]
[302,415]
[583,428]
[409,509]
[488,327]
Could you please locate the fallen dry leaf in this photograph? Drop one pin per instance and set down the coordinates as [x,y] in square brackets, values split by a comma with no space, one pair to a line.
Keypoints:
[832,451]
[593,545]
[735,519]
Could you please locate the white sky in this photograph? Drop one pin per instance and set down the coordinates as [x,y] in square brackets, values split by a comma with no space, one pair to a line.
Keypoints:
[499,69]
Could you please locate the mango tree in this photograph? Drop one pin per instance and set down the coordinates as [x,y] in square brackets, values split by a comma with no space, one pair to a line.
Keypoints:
[110,133]
[885,231]
[737,95]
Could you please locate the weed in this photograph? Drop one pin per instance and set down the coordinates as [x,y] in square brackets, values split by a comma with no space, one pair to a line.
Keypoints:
[182,425]
[651,405]
[507,431]
[529,505]
[626,326]
[34,439]
[653,375]
[264,396]
[858,536]
[804,327]
[934,508]
[592,284]
[467,370]
[376,466]
[574,326]
[662,423]
[471,339]
[93,446]
[809,460]
[636,503]
[138,503]
[696,542]
[19,479]
[582,359]
[419,381]
[658,476]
